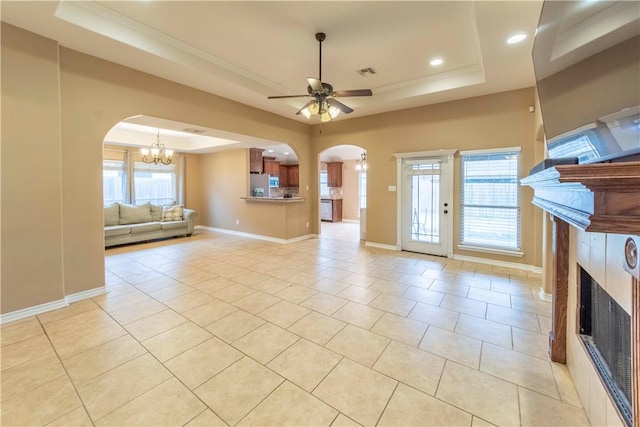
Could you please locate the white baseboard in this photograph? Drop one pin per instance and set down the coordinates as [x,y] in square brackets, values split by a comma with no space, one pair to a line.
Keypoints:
[545,296]
[85,294]
[507,264]
[257,236]
[50,306]
[381,246]
[357,221]
[32,311]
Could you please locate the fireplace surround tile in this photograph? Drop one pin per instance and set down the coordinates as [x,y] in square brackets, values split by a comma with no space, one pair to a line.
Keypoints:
[607,263]
[617,280]
[597,401]
[598,247]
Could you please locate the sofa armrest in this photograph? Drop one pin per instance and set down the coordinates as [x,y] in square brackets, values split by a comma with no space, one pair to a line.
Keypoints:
[190,216]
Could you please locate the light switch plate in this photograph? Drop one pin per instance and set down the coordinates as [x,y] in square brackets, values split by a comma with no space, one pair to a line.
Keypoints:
[392,188]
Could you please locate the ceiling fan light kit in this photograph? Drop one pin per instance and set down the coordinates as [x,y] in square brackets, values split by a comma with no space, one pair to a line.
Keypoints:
[324,103]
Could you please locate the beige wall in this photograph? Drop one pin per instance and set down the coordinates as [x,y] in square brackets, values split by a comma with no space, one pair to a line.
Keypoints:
[75,112]
[73,116]
[601,255]
[224,180]
[492,121]
[600,85]
[32,239]
[350,191]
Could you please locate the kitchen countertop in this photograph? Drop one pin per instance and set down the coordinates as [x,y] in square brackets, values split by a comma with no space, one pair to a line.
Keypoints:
[274,199]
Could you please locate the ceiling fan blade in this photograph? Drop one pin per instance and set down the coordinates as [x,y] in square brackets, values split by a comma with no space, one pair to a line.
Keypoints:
[339,105]
[316,85]
[306,105]
[353,92]
[287,96]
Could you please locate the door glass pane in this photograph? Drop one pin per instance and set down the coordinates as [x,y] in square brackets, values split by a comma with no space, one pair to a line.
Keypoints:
[425,203]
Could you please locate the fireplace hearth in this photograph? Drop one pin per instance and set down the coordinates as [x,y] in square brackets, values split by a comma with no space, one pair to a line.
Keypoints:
[605,331]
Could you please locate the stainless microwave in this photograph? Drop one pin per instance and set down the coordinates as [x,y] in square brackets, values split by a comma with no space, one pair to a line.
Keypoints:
[274,181]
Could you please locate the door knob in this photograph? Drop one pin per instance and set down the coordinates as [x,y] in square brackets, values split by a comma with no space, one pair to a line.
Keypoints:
[446,204]
[446,211]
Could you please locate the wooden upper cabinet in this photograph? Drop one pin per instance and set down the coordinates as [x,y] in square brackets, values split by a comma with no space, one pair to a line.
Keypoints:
[289,176]
[270,166]
[334,174]
[255,160]
[284,176]
[293,176]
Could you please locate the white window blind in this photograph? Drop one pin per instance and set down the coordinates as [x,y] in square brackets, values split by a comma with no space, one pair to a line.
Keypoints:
[154,183]
[324,187]
[490,205]
[114,181]
[363,189]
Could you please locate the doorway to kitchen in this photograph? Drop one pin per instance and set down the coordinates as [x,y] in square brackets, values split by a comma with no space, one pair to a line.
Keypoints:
[342,190]
[425,205]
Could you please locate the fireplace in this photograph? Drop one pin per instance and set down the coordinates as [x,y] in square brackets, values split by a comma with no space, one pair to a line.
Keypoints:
[594,210]
[605,331]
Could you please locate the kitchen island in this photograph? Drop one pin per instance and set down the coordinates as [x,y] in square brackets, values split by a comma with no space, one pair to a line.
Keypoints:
[274,199]
[278,218]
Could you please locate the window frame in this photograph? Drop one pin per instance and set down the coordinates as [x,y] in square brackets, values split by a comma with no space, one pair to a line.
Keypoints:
[119,166]
[500,249]
[142,167]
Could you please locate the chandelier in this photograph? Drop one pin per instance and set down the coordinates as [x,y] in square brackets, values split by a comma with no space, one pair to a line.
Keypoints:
[158,153]
[321,107]
[361,164]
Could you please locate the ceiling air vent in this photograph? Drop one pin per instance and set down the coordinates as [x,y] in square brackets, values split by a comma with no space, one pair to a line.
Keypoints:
[194,130]
[367,71]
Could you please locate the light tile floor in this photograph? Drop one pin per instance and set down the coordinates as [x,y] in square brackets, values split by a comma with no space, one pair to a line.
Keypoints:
[222,330]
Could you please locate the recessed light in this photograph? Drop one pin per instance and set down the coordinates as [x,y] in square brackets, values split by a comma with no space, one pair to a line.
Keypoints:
[436,61]
[516,38]
[269,151]
[286,153]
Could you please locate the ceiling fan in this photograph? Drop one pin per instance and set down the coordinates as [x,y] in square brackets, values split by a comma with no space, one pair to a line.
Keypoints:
[324,103]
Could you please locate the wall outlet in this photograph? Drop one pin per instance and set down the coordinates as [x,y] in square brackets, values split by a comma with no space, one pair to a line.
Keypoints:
[307,224]
[237,222]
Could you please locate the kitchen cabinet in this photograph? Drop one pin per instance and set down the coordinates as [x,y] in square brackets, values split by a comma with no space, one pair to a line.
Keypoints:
[331,210]
[270,166]
[334,174]
[293,176]
[255,160]
[284,176]
[289,176]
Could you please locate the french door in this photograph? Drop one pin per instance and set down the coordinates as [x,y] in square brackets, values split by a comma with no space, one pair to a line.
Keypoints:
[426,205]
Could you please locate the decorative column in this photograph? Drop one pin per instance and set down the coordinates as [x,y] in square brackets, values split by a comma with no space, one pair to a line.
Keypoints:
[547,257]
[560,291]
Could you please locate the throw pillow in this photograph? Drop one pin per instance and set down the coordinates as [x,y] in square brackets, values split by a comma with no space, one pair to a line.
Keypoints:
[156,212]
[111,214]
[172,213]
[131,214]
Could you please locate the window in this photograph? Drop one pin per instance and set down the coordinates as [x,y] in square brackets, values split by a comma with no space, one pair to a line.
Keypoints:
[114,181]
[324,188]
[154,183]
[363,189]
[490,205]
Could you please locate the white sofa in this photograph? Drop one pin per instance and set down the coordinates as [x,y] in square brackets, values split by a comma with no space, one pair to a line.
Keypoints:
[140,223]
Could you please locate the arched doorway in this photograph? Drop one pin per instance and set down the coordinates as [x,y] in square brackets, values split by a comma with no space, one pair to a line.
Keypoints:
[342,193]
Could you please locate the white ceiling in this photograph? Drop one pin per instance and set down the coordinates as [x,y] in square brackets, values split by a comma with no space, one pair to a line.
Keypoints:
[246,51]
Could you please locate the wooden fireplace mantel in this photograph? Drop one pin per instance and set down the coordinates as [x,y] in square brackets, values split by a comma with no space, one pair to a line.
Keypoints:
[599,197]
[603,198]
